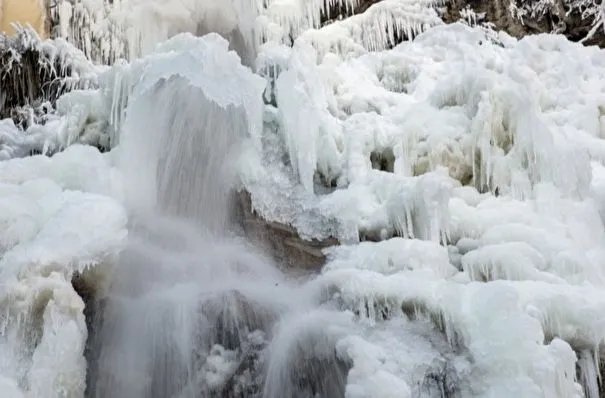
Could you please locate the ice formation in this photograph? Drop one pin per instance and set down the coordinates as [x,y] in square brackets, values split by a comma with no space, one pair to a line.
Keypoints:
[59,218]
[108,30]
[480,143]
[462,171]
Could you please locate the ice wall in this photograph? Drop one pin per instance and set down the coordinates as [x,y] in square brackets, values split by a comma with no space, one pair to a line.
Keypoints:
[489,146]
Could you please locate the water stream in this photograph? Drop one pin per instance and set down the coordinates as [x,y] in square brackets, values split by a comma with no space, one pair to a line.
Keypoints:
[193,310]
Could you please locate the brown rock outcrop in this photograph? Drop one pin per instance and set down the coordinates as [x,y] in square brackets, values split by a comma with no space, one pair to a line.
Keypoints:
[281,241]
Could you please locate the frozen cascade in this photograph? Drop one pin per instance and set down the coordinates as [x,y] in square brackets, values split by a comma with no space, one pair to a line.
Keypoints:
[191,310]
[462,173]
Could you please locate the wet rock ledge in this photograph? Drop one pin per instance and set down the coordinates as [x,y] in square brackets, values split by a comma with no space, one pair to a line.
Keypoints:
[281,241]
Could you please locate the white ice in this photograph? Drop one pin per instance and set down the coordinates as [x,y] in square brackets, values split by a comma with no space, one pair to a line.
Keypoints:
[129,29]
[58,217]
[497,153]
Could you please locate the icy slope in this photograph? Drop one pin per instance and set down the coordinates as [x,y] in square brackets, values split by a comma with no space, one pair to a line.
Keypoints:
[491,147]
[450,108]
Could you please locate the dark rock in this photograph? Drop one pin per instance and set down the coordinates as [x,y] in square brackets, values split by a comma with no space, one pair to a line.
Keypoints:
[335,11]
[93,311]
[558,19]
[281,241]
[441,379]
[27,75]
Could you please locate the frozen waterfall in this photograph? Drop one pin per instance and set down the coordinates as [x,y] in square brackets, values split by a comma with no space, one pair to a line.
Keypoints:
[191,311]
[461,172]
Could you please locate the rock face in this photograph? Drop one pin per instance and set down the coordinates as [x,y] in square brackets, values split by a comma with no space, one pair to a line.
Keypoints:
[558,17]
[281,241]
[336,11]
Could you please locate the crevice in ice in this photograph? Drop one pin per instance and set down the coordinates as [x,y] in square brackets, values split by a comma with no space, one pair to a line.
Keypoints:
[441,380]
[383,160]
[94,303]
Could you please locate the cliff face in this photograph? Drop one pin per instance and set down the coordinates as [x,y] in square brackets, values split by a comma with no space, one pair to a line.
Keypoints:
[520,18]
[24,12]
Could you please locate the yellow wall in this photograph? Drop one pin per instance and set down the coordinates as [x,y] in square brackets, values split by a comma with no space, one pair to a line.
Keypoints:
[24,12]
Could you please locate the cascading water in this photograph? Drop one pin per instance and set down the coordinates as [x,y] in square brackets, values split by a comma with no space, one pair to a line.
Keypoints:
[192,308]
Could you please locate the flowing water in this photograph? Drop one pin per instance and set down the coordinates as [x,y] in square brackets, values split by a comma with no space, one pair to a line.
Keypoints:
[193,310]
